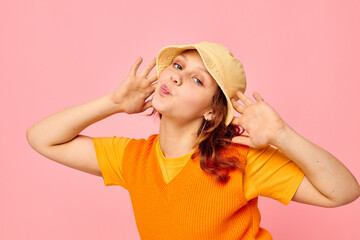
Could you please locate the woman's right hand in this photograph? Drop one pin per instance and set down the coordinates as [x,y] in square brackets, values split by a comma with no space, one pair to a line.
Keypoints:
[134,90]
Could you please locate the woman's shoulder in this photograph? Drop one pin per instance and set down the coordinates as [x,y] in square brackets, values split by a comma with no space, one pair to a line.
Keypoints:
[142,142]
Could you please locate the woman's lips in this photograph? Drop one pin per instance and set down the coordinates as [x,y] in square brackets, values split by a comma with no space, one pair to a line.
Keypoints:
[164,89]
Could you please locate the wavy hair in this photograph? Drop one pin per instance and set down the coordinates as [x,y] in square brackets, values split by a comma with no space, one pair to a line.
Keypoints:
[213,139]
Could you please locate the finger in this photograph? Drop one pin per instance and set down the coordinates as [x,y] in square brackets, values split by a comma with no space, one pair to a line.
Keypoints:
[148,68]
[247,101]
[148,104]
[237,106]
[150,90]
[242,140]
[152,78]
[257,97]
[237,121]
[136,65]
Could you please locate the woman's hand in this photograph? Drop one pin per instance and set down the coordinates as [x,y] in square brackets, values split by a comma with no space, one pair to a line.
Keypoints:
[134,90]
[259,119]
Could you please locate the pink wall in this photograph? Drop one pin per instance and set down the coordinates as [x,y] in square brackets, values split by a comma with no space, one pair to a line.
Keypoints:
[301,56]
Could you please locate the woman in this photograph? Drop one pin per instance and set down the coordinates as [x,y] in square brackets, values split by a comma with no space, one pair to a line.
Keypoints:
[199,178]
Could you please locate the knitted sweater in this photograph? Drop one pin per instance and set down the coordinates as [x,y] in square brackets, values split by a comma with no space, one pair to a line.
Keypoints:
[190,204]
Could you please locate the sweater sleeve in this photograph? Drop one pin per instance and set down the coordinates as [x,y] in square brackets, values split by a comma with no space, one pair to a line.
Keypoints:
[109,153]
[270,173]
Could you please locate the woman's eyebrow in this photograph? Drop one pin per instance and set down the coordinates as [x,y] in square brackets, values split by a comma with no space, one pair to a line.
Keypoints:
[200,68]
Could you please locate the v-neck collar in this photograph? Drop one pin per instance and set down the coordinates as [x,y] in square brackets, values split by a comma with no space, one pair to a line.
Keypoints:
[181,179]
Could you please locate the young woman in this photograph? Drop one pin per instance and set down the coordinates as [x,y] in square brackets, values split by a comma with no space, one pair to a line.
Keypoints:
[200,177]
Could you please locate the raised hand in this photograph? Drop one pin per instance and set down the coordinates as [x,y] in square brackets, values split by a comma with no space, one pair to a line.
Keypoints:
[134,90]
[259,119]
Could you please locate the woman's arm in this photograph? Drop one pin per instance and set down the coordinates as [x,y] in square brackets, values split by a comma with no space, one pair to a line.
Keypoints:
[57,136]
[65,125]
[327,181]
[324,173]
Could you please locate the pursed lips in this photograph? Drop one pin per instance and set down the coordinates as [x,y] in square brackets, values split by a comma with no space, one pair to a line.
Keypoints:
[164,89]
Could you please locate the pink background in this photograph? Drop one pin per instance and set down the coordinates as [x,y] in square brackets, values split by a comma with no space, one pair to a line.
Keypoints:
[301,56]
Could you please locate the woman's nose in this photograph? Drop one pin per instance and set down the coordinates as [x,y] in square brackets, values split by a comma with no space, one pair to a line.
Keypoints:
[176,78]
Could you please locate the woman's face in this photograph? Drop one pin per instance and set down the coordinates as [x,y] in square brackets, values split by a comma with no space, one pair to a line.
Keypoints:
[189,89]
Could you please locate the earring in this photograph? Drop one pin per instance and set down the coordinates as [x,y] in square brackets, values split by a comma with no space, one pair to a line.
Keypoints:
[203,126]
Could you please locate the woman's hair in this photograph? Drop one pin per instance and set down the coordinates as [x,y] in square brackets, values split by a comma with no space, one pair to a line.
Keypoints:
[213,139]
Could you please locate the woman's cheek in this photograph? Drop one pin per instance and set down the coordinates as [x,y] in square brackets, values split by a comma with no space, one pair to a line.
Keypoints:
[192,100]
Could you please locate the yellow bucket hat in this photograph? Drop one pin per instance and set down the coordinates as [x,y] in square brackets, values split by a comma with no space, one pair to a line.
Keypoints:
[227,70]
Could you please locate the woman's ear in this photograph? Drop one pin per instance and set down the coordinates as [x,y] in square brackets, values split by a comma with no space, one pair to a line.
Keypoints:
[209,116]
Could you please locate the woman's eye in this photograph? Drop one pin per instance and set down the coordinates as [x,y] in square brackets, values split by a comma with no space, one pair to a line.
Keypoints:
[178,65]
[198,81]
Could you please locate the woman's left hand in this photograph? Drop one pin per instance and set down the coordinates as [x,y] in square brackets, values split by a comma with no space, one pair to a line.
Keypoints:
[259,119]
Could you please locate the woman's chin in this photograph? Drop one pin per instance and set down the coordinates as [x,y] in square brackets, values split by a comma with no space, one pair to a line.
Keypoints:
[158,105]
[157,108]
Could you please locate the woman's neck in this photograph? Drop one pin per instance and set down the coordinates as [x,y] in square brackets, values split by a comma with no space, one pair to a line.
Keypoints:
[177,140]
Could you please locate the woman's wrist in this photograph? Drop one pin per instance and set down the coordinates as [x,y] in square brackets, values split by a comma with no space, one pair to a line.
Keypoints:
[117,102]
[283,136]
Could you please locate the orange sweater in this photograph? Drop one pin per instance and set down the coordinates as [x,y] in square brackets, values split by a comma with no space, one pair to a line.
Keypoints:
[191,204]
